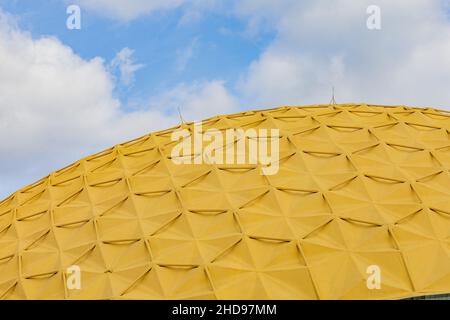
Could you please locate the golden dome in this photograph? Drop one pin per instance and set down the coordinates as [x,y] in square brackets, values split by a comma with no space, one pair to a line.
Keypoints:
[362,193]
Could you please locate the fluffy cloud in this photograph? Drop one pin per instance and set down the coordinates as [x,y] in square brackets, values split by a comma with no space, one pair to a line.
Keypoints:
[56,107]
[124,62]
[322,43]
[197,101]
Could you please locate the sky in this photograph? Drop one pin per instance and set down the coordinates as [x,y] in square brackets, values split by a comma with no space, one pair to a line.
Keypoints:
[67,93]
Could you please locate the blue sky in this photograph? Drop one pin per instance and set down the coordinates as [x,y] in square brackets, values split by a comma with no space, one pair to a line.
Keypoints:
[65,94]
[220,46]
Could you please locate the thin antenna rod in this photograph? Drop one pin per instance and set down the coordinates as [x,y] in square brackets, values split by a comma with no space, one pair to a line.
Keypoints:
[333,100]
[181,117]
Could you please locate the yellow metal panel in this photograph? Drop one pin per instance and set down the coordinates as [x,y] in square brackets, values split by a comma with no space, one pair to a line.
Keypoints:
[357,186]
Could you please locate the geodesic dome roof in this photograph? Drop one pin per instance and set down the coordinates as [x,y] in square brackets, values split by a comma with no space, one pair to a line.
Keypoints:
[357,186]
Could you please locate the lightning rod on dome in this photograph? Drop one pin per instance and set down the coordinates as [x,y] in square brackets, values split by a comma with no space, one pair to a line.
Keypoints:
[333,100]
[181,116]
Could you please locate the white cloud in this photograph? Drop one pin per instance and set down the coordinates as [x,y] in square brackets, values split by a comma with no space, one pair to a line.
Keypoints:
[185,55]
[56,107]
[321,43]
[195,9]
[125,63]
[197,101]
[126,10]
